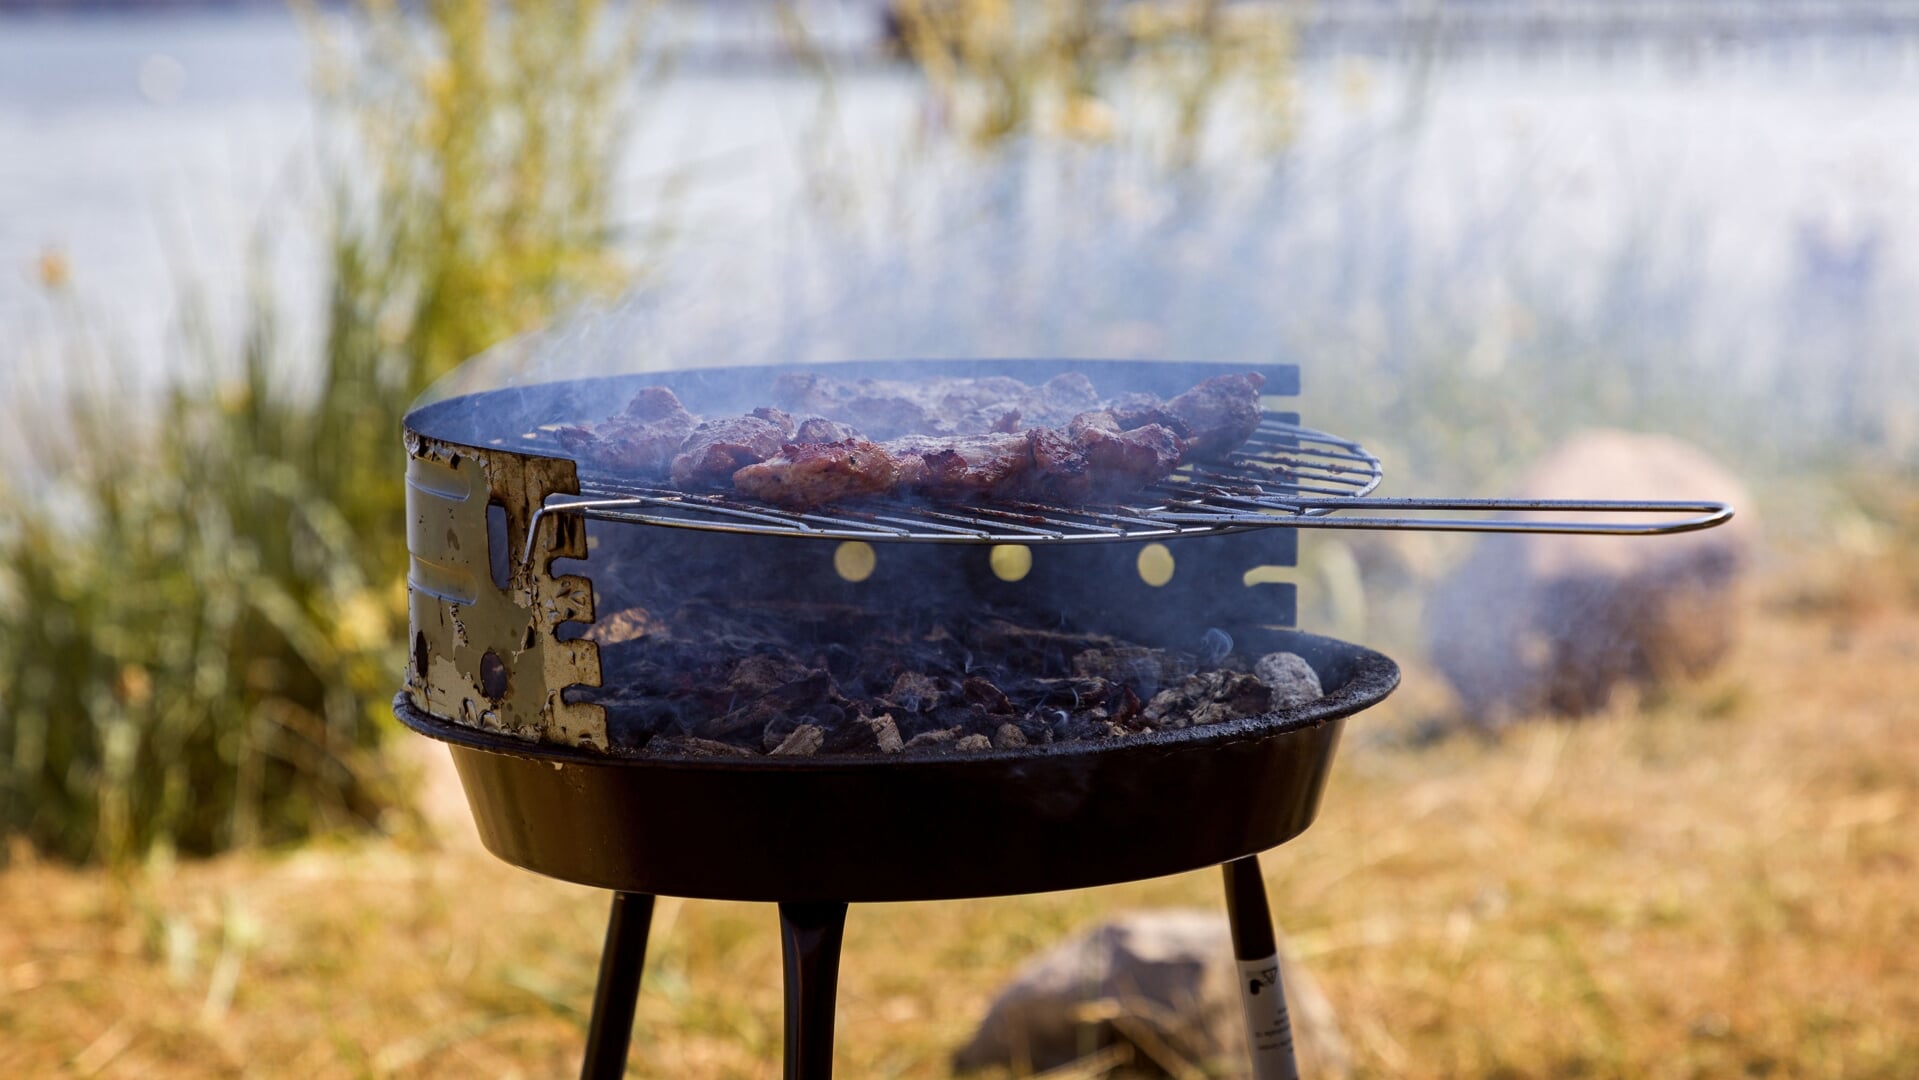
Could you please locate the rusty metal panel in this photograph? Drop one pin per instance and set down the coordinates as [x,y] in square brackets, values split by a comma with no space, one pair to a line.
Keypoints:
[485,652]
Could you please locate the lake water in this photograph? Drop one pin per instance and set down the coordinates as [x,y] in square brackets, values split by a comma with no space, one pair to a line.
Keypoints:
[1765,192]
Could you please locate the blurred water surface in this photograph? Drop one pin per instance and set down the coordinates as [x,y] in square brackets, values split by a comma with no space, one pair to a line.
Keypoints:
[1746,207]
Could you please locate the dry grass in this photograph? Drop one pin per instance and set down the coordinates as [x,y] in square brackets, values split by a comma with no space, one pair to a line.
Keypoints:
[1719,883]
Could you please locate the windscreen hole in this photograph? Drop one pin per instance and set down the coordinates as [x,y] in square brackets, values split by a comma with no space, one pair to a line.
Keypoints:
[855,560]
[1010,562]
[1155,565]
[497,558]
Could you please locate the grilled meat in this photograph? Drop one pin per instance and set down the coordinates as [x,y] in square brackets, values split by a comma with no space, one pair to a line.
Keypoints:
[719,448]
[890,408]
[806,475]
[951,438]
[641,440]
[964,466]
[1220,414]
[818,429]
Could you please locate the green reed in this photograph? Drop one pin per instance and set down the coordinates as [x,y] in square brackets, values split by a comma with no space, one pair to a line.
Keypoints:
[201,594]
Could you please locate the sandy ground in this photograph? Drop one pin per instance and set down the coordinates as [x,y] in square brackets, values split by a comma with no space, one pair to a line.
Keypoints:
[1718,882]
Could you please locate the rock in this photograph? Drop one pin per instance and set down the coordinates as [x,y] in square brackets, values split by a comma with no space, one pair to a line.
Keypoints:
[1166,977]
[805,741]
[1290,678]
[1543,623]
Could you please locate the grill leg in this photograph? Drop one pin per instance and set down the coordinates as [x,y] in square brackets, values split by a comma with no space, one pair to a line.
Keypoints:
[810,936]
[611,1027]
[1269,1031]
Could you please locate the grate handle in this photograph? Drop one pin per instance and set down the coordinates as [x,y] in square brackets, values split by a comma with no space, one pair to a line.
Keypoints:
[1319,514]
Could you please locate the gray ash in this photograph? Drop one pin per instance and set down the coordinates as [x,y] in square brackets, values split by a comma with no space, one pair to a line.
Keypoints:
[797,679]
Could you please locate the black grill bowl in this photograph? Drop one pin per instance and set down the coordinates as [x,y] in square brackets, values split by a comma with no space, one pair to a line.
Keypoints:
[947,826]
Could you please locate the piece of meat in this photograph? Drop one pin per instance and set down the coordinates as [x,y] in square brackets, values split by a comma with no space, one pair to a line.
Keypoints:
[818,429]
[964,466]
[719,448]
[1061,472]
[985,437]
[946,405]
[881,409]
[804,475]
[1118,460]
[1220,414]
[1120,463]
[1130,411]
[775,417]
[641,439]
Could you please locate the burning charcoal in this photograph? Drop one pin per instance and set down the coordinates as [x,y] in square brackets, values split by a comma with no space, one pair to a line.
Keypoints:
[757,675]
[969,719]
[983,693]
[913,693]
[932,738]
[973,743]
[826,716]
[750,720]
[621,626]
[690,746]
[1144,670]
[1008,737]
[1208,698]
[840,662]
[886,735]
[1290,678]
[805,741]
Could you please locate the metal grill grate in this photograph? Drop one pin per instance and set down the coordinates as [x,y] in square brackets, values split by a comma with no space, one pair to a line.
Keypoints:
[1283,471]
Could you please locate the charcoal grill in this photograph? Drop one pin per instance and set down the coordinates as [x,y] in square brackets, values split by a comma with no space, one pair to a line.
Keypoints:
[499,672]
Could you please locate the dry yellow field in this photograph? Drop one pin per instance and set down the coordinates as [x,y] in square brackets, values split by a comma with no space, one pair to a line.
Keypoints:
[1722,882]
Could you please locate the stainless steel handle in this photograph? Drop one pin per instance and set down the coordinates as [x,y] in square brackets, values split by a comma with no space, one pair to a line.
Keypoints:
[1320,514]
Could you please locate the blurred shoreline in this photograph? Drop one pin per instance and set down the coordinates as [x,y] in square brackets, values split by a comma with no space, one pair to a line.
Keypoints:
[1765,177]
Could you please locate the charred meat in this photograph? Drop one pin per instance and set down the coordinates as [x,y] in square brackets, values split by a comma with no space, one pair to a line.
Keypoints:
[805,475]
[949,438]
[1220,414]
[642,440]
[719,448]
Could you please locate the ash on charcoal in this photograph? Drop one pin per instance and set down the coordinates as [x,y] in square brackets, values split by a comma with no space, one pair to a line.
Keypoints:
[973,743]
[886,734]
[805,741]
[940,737]
[755,676]
[1142,669]
[1209,698]
[1291,679]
